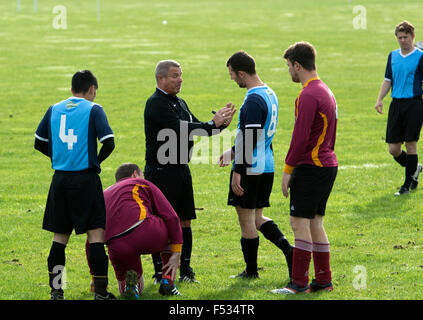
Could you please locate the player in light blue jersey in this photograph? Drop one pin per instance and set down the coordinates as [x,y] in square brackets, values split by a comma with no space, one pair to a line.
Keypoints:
[404,75]
[253,163]
[68,134]
[259,112]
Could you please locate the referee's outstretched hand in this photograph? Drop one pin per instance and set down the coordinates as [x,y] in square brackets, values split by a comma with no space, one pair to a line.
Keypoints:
[223,117]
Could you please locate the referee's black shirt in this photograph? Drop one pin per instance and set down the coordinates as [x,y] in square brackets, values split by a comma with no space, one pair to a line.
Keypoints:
[163,111]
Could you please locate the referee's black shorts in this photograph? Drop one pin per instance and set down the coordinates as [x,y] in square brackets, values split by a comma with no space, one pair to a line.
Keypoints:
[405,119]
[257,190]
[175,182]
[310,189]
[75,201]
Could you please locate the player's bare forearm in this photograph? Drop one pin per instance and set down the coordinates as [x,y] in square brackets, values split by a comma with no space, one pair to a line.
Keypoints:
[286,181]
[226,158]
[384,89]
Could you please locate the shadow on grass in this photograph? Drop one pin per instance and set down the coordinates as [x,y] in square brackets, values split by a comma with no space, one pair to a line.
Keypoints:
[387,206]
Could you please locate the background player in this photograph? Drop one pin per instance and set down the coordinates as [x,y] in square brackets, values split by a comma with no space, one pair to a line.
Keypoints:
[139,221]
[68,135]
[310,170]
[404,75]
[253,166]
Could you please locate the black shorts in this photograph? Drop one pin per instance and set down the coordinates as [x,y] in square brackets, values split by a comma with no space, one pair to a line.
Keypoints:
[310,189]
[175,182]
[405,120]
[75,201]
[257,190]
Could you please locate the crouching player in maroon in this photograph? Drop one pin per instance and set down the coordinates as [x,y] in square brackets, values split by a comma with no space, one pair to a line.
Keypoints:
[310,171]
[140,220]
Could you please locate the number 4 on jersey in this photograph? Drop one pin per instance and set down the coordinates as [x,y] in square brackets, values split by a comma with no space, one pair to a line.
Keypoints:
[69,138]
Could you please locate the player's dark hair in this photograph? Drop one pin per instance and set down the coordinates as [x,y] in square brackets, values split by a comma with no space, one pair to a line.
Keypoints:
[405,27]
[242,61]
[83,80]
[126,170]
[303,53]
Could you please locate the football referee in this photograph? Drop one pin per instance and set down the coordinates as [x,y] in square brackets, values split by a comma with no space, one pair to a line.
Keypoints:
[68,134]
[404,75]
[169,126]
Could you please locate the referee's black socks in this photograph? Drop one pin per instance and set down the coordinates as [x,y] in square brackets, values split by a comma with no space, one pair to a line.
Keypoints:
[157,262]
[186,251]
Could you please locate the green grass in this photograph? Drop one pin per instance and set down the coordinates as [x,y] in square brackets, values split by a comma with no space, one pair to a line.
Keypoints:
[366,225]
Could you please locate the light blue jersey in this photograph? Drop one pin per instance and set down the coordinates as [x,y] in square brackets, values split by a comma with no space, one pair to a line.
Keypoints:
[405,74]
[253,150]
[72,128]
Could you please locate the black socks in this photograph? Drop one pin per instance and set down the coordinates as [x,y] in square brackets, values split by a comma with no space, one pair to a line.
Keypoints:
[56,263]
[250,249]
[99,263]
[272,233]
[410,162]
[186,250]
[185,254]
[402,159]
[410,168]
[157,262]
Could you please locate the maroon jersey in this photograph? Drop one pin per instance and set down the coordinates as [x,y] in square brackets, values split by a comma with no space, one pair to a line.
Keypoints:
[133,200]
[313,138]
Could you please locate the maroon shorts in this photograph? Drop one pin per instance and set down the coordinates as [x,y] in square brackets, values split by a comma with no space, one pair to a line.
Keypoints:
[150,236]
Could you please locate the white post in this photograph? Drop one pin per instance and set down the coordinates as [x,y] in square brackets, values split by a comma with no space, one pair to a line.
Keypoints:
[98,10]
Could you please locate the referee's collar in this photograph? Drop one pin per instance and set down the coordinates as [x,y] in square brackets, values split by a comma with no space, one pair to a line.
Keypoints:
[160,91]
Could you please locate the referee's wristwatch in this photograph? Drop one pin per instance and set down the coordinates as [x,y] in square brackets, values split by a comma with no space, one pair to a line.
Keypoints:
[212,123]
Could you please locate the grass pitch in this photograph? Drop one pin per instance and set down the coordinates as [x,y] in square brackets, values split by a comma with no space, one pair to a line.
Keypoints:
[376,239]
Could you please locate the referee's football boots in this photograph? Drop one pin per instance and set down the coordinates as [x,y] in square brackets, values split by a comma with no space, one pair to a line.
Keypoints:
[188,276]
[245,275]
[108,296]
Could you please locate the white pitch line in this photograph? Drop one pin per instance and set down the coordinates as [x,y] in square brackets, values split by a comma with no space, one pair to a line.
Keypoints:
[364,166]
